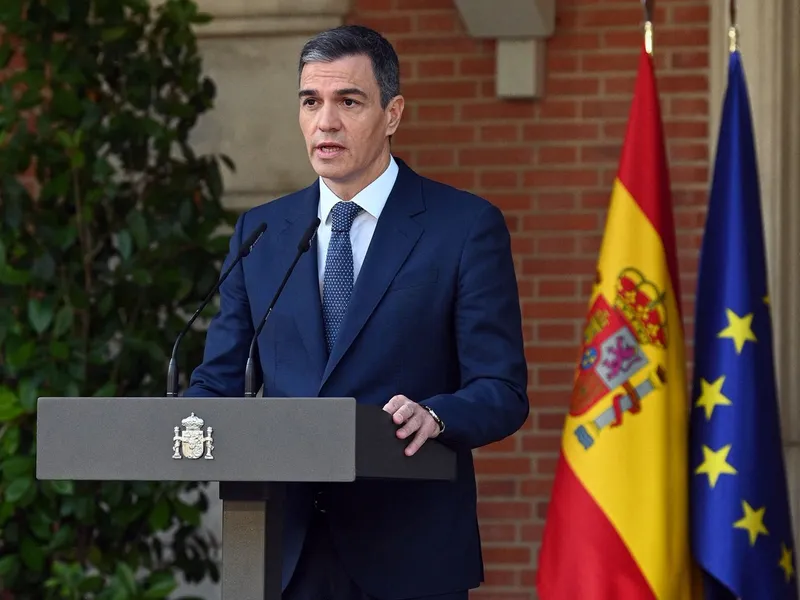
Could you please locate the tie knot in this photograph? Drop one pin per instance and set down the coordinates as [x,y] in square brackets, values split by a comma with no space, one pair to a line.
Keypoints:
[343,214]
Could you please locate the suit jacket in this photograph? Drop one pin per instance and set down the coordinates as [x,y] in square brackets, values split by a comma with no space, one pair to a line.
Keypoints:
[434,315]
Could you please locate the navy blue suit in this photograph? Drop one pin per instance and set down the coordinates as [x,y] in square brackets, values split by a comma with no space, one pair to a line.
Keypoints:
[434,316]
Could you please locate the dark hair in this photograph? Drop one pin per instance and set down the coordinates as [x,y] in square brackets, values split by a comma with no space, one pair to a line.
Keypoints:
[353,40]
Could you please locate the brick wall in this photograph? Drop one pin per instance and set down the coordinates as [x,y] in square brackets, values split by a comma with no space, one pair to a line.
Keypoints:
[549,165]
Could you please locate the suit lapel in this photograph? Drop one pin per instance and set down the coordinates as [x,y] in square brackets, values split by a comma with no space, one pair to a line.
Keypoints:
[303,285]
[395,236]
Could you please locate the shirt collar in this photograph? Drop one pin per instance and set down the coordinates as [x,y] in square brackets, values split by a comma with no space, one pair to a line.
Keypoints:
[372,198]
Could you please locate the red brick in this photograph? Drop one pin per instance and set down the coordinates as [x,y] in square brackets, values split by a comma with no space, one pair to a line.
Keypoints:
[435,112]
[557,155]
[503,466]
[689,107]
[573,86]
[560,132]
[498,179]
[430,69]
[610,62]
[499,577]
[605,109]
[558,109]
[423,5]
[435,135]
[477,66]
[683,83]
[604,16]
[557,332]
[493,531]
[441,157]
[507,554]
[539,443]
[441,90]
[387,24]
[698,13]
[504,509]
[690,60]
[495,156]
[561,177]
[494,110]
[439,22]
[457,177]
[499,133]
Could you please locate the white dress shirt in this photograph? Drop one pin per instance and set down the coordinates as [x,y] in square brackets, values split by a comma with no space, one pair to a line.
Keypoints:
[372,199]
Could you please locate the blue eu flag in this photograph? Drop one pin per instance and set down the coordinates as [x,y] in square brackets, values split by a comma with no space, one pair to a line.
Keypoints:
[740,518]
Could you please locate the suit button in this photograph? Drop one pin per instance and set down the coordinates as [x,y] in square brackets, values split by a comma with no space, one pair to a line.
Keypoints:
[319,503]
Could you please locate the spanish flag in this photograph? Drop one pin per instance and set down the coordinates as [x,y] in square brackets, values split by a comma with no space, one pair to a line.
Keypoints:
[617,522]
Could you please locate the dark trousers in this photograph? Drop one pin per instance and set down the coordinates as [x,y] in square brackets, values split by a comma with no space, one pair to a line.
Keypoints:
[320,575]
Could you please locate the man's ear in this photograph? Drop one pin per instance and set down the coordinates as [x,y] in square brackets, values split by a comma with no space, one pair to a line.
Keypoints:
[394,112]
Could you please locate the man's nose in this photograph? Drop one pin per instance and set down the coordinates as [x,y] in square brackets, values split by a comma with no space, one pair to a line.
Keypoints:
[329,118]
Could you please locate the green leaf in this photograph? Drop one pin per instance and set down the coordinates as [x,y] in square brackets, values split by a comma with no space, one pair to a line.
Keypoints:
[125,244]
[28,395]
[10,440]
[107,390]
[64,319]
[112,34]
[9,567]
[19,353]
[44,268]
[160,515]
[127,578]
[63,488]
[18,488]
[161,588]
[9,405]
[59,350]
[40,314]
[11,276]
[18,466]
[32,554]
[138,227]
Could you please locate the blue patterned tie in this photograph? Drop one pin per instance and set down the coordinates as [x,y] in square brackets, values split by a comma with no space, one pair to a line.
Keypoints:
[338,280]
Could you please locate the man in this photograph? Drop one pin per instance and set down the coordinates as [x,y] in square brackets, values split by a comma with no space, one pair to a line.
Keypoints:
[407,300]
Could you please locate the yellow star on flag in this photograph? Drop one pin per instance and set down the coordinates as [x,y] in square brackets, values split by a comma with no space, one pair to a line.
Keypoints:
[786,562]
[711,395]
[752,522]
[715,464]
[738,329]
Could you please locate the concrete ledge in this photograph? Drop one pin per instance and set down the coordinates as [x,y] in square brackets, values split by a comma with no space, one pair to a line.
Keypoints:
[520,28]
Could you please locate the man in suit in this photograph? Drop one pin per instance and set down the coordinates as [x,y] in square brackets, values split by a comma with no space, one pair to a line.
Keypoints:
[407,300]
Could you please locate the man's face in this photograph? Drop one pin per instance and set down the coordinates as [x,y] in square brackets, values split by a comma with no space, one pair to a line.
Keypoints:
[342,121]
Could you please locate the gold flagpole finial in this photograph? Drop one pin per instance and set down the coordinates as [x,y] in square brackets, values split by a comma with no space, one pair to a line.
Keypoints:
[648,26]
[733,29]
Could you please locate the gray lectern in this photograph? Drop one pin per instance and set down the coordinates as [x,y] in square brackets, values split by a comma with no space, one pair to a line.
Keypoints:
[251,446]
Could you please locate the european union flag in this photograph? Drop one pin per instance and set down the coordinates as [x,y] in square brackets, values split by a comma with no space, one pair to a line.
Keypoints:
[740,517]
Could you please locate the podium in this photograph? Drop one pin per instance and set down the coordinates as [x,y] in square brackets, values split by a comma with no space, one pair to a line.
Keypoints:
[251,446]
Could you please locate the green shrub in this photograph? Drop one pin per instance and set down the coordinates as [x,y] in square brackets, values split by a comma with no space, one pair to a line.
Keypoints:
[111,230]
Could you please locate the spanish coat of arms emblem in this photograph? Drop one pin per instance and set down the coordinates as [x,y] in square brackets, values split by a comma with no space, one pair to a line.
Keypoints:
[191,443]
[613,357]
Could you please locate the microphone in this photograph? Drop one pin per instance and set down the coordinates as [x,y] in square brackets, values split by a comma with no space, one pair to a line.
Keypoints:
[244,250]
[302,248]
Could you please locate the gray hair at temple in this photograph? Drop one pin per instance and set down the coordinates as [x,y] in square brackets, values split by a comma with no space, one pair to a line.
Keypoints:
[354,40]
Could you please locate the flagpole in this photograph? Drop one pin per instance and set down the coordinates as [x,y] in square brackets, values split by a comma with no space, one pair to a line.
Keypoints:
[733,30]
[648,25]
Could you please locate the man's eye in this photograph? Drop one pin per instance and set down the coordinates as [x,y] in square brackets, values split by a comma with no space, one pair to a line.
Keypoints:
[349,102]
[309,102]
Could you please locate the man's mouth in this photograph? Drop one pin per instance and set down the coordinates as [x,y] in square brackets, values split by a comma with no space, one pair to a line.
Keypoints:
[328,148]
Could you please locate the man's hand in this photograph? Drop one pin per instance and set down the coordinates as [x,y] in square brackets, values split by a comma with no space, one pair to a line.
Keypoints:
[414,418]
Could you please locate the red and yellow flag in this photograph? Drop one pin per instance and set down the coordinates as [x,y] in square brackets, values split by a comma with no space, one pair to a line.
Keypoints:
[617,522]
